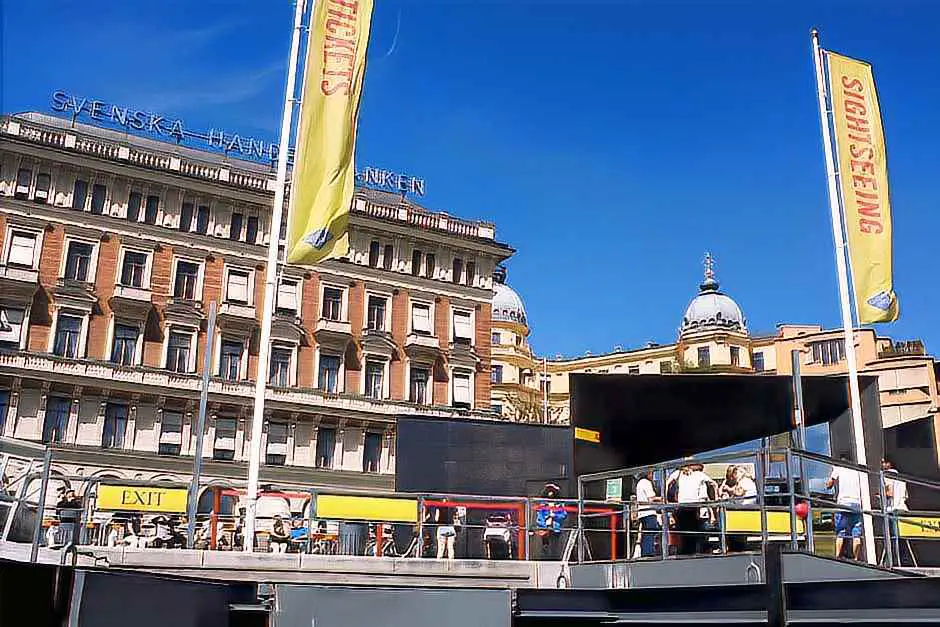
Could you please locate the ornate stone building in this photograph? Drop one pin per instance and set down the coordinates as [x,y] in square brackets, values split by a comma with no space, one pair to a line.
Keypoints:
[112,248]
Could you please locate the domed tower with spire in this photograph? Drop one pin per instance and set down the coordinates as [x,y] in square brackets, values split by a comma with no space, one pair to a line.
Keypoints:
[514,377]
[713,333]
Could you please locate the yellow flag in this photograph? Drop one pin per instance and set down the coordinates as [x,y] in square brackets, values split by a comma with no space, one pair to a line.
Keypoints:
[324,170]
[863,174]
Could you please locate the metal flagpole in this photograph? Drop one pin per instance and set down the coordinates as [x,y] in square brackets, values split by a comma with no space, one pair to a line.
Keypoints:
[193,498]
[545,390]
[858,429]
[270,282]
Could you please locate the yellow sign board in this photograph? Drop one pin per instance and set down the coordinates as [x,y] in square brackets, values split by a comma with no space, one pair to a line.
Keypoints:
[377,509]
[748,521]
[588,435]
[919,527]
[126,498]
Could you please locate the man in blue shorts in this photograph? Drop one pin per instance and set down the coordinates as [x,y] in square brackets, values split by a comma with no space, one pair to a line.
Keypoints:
[848,520]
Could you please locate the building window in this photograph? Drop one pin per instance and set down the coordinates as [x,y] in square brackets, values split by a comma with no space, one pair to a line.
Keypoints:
[276,454]
[374,254]
[633,370]
[374,379]
[22,253]
[79,194]
[415,262]
[235,227]
[496,408]
[735,356]
[78,261]
[496,373]
[469,274]
[704,357]
[421,319]
[187,275]
[171,433]
[202,219]
[43,183]
[24,177]
[11,328]
[134,269]
[4,406]
[56,420]
[495,339]
[251,230]
[665,367]
[461,390]
[124,351]
[115,426]
[463,328]
[332,303]
[388,256]
[287,296]
[134,201]
[236,287]
[326,443]
[68,332]
[177,351]
[758,362]
[430,265]
[99,193]
[328,378]
[223,449]
[457,270]
[376,313]
[279,372]
[418,391]
[186,217]
[151,208]
[230,360]
[545,386]
[828,352]
[371,452]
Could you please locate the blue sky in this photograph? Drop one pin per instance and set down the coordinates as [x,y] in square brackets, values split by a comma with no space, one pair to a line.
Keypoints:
[612,143]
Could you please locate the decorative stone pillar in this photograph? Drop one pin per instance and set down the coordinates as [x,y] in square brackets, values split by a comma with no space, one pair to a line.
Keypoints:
[71,428]
[187,433]
[131,431]
[291,428]
[99,420]
[388,448]
[339,447]
[9,424]
[208,445]
[40,415]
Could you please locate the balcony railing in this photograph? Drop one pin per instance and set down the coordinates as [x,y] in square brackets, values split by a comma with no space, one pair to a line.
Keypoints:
[25,275]
[903,349]
[44,366]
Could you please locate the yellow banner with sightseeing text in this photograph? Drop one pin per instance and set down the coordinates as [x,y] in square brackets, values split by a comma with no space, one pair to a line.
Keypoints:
[378,509]
[125,498]
[587,435]
[919,527]
[324,169]
[863,179]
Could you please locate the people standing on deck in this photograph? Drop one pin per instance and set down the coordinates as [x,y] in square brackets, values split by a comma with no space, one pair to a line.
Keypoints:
[848,520]
[650,527]
[550,516]
[446,531]
[896,505]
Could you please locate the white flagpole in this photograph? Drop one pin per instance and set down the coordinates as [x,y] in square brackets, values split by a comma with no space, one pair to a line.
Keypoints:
[835,208]
[545,390]
[270,283]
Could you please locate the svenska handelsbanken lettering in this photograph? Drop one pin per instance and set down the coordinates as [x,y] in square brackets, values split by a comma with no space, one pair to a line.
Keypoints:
[339,47]
[864,182]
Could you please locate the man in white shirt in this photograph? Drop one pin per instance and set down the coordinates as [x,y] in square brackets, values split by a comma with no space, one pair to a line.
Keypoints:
[896,505]
[848,521]
[692,485]
[646,516]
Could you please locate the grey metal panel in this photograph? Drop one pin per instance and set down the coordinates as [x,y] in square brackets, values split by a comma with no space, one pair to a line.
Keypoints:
[798,567]
[303,606]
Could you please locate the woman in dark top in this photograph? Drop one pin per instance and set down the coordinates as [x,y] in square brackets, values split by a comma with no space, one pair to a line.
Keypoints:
[446,532]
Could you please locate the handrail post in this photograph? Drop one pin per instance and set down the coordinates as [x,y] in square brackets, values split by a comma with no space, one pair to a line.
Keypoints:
[525,521]
[580,521]
[309,522]
[791,490]
[722,528]
[419,549]
[762,493]
[664,515]
[886,524]
[41,506]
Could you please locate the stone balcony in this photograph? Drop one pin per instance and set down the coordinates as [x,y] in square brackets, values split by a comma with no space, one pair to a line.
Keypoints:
[238,318]
[423,348]
[377,342]
[463,354]
[333,334]
[18,285]
[131,302]
[141,380]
